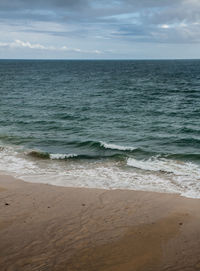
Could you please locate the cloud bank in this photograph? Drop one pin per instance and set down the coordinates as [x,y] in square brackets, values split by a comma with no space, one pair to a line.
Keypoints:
[37,46]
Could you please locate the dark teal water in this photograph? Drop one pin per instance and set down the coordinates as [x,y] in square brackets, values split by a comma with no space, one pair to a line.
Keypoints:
[139,117]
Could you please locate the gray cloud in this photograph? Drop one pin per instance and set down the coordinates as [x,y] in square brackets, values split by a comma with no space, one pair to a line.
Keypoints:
[43,4]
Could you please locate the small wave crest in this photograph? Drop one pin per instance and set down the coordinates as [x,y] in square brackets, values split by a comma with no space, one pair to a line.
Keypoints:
[60,156]
[52,156]
[99,145]
[116,147]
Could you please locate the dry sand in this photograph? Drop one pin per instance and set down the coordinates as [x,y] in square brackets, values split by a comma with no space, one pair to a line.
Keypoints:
[45,227]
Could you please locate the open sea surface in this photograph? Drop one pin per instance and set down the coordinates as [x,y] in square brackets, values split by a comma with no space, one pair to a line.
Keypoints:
[103,124]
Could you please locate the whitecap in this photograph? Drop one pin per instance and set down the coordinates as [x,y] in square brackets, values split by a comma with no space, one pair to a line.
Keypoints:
[116,147]
[60,156]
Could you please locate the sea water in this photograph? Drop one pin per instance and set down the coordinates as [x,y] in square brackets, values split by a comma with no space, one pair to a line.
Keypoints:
[103,124]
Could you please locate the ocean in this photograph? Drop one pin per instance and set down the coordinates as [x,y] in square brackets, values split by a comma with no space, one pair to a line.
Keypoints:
[102,124]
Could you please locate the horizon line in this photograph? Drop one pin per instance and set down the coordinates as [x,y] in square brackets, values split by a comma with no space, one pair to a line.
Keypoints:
[98,59]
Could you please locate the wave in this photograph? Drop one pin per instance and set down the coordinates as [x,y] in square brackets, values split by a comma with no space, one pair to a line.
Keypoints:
[52,156]
[176,167]
[62,156]
[93,150]
[98,145]
[103,145]
[116,147]
[100,149]
[184,156]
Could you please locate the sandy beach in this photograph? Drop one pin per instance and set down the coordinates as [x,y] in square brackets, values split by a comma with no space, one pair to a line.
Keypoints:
[45,227]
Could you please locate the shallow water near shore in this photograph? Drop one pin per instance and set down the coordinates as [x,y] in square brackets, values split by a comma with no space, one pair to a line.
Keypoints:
[104,124]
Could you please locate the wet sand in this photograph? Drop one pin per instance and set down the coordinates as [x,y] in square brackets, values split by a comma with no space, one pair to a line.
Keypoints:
[45,227]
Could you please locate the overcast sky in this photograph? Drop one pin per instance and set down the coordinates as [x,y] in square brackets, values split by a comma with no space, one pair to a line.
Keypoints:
[103,29]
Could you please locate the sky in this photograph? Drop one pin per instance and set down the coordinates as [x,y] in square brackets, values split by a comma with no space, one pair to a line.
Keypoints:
[104,29]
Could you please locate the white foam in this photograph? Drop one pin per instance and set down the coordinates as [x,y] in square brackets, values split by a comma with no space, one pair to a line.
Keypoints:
[106,176]
[11,162]
[116,147]
[58,156]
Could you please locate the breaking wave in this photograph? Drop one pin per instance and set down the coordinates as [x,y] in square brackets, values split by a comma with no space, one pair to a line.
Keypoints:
[116,147]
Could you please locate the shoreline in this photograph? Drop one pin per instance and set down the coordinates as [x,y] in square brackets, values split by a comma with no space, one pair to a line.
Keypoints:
[45,227]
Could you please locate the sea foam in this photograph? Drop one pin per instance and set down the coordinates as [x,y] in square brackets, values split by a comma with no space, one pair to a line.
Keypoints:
[116,147]
[60,156]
